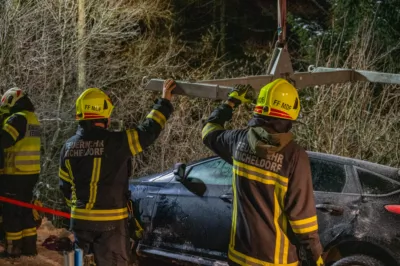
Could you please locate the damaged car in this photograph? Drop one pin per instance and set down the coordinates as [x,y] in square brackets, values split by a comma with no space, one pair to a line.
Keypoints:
[186,212]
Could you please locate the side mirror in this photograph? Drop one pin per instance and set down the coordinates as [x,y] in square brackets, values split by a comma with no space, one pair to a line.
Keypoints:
[180,171]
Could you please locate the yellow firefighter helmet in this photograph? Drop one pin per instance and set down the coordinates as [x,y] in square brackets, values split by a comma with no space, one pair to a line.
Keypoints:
[93,103]
[278,99]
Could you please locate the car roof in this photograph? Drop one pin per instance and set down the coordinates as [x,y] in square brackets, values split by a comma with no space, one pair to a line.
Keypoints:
[385,170]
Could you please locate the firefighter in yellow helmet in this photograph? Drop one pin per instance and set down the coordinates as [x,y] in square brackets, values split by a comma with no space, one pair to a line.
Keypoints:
[273,207]
[94,173]
[20,142]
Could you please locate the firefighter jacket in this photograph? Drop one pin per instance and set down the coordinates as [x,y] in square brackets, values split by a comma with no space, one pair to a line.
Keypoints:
[94,170]
[273,205]
[20,140]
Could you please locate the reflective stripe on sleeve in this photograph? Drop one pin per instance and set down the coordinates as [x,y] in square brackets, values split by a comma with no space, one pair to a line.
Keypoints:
[158,117]
[11,130]
[210,127]
[133,140]
[305,226]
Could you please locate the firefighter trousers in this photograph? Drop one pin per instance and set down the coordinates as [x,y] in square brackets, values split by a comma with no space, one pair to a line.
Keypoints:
[18,222]
[110,248]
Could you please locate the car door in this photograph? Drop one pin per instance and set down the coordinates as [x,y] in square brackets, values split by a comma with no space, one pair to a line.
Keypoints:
[337,198]
[194,216]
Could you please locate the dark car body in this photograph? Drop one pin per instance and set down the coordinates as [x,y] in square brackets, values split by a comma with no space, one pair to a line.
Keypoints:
[189,219]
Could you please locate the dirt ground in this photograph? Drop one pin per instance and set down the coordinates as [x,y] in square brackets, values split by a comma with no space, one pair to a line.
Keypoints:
[45,257]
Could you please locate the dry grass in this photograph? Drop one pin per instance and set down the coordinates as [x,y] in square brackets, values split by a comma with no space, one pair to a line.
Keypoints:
[359,120]
[129,42]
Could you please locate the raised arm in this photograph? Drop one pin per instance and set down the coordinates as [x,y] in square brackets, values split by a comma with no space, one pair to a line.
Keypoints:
[213,134]
[147,132]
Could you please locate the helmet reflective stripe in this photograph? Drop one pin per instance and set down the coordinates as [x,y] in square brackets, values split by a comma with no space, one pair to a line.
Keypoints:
[278,99]
[93,103]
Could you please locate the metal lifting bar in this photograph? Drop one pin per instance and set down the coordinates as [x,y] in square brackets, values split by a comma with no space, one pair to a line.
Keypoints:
[280,66]
[282,21]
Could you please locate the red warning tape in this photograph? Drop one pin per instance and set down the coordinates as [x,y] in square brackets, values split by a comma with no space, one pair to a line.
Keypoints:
[32,206]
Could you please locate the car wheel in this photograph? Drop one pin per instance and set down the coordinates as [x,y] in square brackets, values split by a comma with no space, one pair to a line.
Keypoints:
[358,260]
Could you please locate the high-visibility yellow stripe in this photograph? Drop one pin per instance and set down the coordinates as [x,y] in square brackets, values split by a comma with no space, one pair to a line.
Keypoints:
[97,181]
[14,236]
[68,165]
[282,223]
[282,179]
[208,128]
[99,215]
[29,232]
[245,260]
[95,212]
[259,179]
[305,230]
[158,117]
[14,233]
[133,141]
[277,230]
[100,219]
[285,240]
[234,211]
[304,221]
[69,202]
[61,172]
[11,130]
[305,226]
[64,176]
[73,189]
[92,180]
[255,178]
[93,183]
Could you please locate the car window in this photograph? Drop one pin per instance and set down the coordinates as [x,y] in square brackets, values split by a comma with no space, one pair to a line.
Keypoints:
[327,176]
[376,184]
[215,172]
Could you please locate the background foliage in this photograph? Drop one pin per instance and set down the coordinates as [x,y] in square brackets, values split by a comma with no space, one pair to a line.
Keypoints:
[130,41]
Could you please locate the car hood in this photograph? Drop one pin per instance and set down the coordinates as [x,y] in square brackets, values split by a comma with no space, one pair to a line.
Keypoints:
[148,177]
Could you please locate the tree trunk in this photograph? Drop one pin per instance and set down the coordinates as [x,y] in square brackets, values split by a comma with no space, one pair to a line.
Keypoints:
[81,46]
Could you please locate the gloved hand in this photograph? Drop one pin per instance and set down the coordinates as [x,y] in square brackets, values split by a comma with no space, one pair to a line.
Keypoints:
[139,230]
[168,87]
[241,94]
[320,262]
